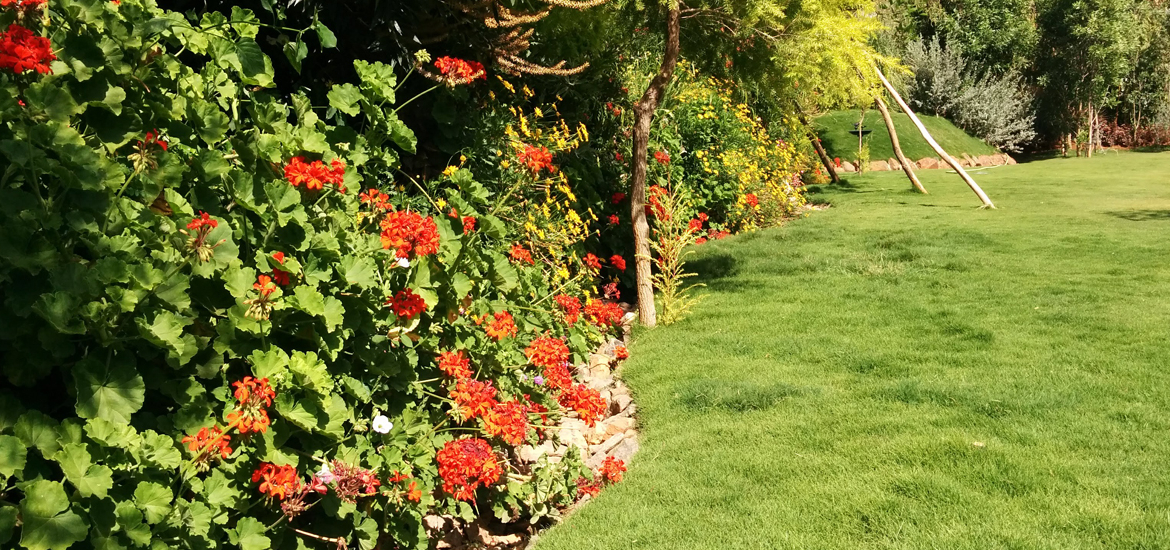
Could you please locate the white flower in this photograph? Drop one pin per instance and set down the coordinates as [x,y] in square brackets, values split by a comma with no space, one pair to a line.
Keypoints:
[382,424]
[325,474]
[403,263]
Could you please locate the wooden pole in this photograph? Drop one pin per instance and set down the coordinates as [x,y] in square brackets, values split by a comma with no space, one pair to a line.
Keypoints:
[816,143]
[881,105]
[934,144]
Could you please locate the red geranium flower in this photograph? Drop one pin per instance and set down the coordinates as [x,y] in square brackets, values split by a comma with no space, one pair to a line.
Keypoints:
[619,263]
[459,71]
[508,421]
[21,51]
[621,353]
[520,254]
[571,307]
[694,226]
[751,200]
[406,304]
[612,469]
[587,488]
[546,352]
[617,197]
[315,174]
[586,401]
[603,314]
[473,398]
[614,219]
[536,159]
[592,261]
[264,285]
[455,364]
[253,397]
[409,233]
[206,443]
[501,326]
[277,482]
[468,224]
[467,464]
[557,377]
[662,157]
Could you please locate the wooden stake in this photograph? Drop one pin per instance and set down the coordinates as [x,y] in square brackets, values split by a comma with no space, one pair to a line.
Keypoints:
[934,144]
[816,143]
[881,105]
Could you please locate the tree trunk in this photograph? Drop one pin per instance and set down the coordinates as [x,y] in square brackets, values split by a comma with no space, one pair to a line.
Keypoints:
[816,143]
[643,115]
[881,105]
[1089,153]
[934,144]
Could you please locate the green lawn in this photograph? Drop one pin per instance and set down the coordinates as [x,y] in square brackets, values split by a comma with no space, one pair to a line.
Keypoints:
[910,372]
[834,130]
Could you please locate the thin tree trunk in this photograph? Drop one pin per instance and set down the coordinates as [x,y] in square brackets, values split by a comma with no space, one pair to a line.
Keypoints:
[643,115]
[934,144]
[881,105]
[1089,153]
[816,143]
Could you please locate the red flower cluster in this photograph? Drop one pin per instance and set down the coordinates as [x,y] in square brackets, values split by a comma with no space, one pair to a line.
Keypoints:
[23,5]
[375,198]
[701,240]
[501,326]
[662,157]
[618,157]
[619,263]
[656,195]
[614,219]
[277,482]
[508,421]
[694,226]
[468,224]
[465,465]
[587,488]
[536,159]
[207,443]
[279,275]
[617,111]
[617,197]
[454,364]
[21,50]
[557,377]
[612,469]
[751,200]
[473,398]
[837,161]
[546,352]
[603,314]
[460,71]
[315,175]
[350,482]
[621,353]
[202,223]
[610,291]
[406,304]
[154,138]
[717,235]
[588,403]
[592,261]
[264,285]
[253,397]
[571,306]
[521,255]
[408,232]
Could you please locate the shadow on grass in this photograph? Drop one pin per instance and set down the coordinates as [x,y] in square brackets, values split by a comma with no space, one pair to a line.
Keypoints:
[1141,215]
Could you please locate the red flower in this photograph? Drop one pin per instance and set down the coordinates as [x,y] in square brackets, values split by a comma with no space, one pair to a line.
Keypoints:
[454,364]
[603,314]
[751,200]
[610,291]
[508,421]
[465,465]
[501,326]
[468,224]
[520,254]
[264,285]
[280,276]
[315,175]
[460,71]
[154,138]
[694,226]
[536,159]
[279,257]
[546,352]
[473,398]
[253,397]
[413,493]
[618,157]
[23,5]
[571,307]
[662,157]
[619,263]
[406,304]
[375,198]
[837,161]
[703,217]
[21,50]
[409,233]
[612,469]
[592,261]
[586,401]
[718,235]
[277,482]
[621,353]
[614,219]
[206,443]
[557,377]
[350,482]
[587,488]
[617,197]
[657,194]
[700,240]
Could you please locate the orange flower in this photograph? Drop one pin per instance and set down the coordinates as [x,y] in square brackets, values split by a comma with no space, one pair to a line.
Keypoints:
[570,305]
[454,364]
[508,421]
[467,464]
[592,261]
[473,398]
[264,285]
[277,482]
[586,401]
[619,263]
[406,304]
[409,233]
[413,493]
[252,398]
[315,175]
[546,352]
[501,326]
[612,469]
[206,443]
[621,353]
[536,159]
[520,254]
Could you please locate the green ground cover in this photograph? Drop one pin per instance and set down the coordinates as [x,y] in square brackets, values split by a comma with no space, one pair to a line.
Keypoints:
[909,372]
[834,130]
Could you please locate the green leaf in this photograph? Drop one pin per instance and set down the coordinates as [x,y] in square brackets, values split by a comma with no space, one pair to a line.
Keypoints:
[112,391]
[36,429]
[296,52]
[166,331]
[130,520]
[239,281]
[334,313]
[358,271]
[160,450]
[326,36]
[60,310]
[48,525]
[272,364]
[310,372]
[208,121]
[218,491]
[255,67]
[109,434]
[345,98]
[154,500]
[309,300]
[301,412]
[12,455]
[89,479]
[377,77]
[53,101]
[249,535]
[7,523]
[402,135]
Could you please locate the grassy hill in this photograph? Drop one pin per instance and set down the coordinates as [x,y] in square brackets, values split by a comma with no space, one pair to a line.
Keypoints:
[834,130]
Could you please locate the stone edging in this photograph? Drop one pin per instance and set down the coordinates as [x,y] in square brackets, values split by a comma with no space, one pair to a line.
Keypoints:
[931,163]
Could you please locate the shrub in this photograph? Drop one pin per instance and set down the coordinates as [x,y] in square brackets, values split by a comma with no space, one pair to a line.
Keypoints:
[226,325]
[995,108]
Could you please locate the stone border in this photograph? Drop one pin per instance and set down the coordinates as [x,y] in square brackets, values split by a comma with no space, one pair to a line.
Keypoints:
[615,436]
[932,163]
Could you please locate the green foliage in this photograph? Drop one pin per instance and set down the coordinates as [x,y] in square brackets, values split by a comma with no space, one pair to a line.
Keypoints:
[833,129]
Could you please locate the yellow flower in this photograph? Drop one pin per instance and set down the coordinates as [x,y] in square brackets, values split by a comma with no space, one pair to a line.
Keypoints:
[450,171]
[442,203]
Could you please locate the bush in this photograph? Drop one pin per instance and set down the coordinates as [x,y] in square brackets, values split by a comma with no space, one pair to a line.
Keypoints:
[996,109]
[224,324]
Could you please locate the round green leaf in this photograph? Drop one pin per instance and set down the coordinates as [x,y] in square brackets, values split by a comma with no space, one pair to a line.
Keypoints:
[112,391]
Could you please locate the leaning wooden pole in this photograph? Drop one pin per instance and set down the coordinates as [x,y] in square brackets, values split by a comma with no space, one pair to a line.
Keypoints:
[816,143]
[934,144]
[906,164]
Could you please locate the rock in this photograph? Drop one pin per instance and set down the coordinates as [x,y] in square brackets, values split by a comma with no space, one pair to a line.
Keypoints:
[1008,159]
[436,523]
[530,454]
[879,166]
[618,424]
[599,359]
[964,163]
[928,163]
[619,404]
[608,445]
[508,540]
[619,389]
[596,434]
[983,160]
[605,394]
[970,161]
[478,532]
[847,166]
[573,438]
[600,372]
[625,450]
[894,164]
[595,461]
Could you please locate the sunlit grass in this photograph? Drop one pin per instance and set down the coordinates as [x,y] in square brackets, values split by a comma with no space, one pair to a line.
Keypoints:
[909,372]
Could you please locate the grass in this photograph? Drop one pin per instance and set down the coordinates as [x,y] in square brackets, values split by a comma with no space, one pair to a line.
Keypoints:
[904,371]
[834,130]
